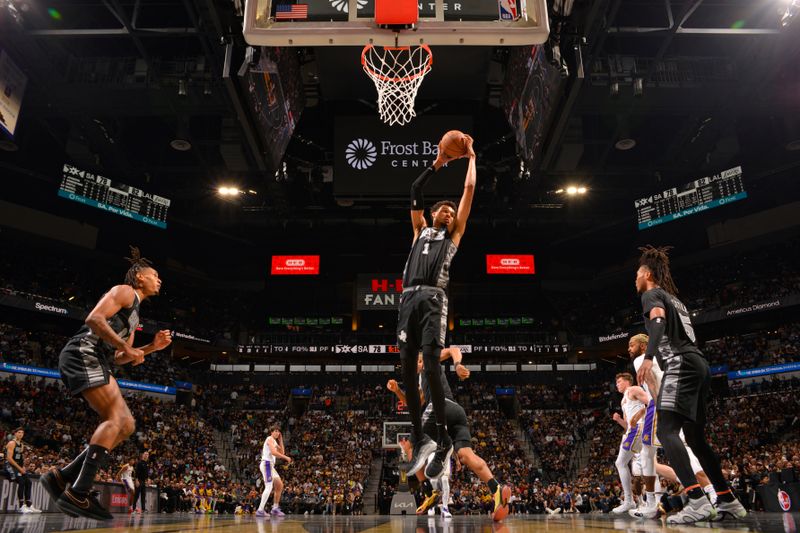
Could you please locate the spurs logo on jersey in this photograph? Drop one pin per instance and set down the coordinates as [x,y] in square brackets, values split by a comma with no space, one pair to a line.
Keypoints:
[429,260]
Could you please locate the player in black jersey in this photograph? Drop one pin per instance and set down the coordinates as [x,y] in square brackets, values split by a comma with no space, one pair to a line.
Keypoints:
[458,429]
[685,387]
[85,365]
[15,468]
[422,319]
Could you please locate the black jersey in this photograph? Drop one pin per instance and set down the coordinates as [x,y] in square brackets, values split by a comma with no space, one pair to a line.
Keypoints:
[18,456]
[426,389]
[679,335]
[124,323]
[429,261]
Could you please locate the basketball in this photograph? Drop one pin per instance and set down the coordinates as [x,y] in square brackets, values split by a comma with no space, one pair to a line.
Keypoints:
[453,144]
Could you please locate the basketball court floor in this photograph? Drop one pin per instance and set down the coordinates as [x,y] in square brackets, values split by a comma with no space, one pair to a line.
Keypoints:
[756,522]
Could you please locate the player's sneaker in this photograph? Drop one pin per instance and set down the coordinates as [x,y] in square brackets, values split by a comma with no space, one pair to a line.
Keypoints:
[695,511]
[435,468]
[624,507]
[734,510]
[645,511]
[72,503]
[420,452]
[261,512]
[53,483]
[276,511]
[34,510]
[429,502]
[501,496]
[445,512]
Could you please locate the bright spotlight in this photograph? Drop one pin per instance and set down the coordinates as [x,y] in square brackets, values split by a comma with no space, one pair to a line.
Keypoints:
[223,191]
[581,190]
[572,190]
[228,191]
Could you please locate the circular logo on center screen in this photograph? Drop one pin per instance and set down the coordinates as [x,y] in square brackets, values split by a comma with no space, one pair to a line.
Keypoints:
[361,154]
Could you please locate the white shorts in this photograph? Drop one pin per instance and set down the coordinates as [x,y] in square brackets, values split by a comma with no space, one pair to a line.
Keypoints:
[268,471]
[128,482]
[632,440]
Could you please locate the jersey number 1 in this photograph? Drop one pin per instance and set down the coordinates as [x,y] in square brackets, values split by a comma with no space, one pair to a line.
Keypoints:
[426,248]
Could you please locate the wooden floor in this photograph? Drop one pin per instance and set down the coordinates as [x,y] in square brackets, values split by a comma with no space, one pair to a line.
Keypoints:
[154,523]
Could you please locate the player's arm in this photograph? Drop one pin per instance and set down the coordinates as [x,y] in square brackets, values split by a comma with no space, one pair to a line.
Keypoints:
[395,388]
[656,328]
[455,353]
[465,205]
[273,447]
[119,473]
[10,456]
[620,419]
[161,340]
[279,443]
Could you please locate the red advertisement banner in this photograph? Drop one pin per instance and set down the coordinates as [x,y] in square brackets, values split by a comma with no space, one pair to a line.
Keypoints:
[295,265]
[510,264]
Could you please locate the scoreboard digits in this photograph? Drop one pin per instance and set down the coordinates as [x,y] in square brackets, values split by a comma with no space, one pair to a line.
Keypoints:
[694,197]
[115,197]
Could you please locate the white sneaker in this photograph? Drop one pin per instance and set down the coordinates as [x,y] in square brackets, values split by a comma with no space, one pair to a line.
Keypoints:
[645,511]
[24,509]
[732,509]
[34,510]
[695,511]
[432,511]
[446,512]
[624,507]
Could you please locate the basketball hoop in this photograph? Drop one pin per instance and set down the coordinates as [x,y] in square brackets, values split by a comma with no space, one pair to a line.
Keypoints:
[397,72]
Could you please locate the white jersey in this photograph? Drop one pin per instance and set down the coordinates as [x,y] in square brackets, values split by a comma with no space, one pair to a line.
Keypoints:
[266,453]
[127,474]
[657,373]
[630,407]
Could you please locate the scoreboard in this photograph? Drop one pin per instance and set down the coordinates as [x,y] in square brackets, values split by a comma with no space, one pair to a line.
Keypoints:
[694,197]
[100,192]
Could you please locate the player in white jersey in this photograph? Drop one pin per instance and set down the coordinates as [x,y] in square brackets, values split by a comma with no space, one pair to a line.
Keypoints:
[272,449]
[125,475]
[637,345]
[634,400]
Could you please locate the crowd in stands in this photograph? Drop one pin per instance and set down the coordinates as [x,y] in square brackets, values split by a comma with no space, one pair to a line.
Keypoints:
[760,348]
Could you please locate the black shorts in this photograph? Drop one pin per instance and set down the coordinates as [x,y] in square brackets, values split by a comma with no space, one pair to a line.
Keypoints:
[457,425]
[82,369]
[685,385]
[422,320]
[13,473]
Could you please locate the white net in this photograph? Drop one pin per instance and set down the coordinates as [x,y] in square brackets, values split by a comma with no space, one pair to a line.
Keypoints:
[397,73]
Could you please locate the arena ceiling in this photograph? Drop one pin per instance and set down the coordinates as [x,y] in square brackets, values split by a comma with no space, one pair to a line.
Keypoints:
[113,82]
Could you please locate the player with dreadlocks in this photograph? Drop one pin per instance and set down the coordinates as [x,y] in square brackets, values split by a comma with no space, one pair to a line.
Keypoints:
[85,365]
[685,387]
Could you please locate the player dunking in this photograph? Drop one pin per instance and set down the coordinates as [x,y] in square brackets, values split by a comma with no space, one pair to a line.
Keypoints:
[634,400]
[85,365]
[272,449]
[458,430]
[684,390]
[422,319]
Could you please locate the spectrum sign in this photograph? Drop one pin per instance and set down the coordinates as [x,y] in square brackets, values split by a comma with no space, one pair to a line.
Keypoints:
[295,265]
[510,264]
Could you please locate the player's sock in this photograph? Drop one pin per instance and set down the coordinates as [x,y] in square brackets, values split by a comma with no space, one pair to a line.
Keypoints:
[95,460]
[696,493]
[725,496]
[493,485]
[70,472]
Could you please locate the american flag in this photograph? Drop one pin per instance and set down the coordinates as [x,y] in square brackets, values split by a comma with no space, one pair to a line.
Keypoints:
[291,11]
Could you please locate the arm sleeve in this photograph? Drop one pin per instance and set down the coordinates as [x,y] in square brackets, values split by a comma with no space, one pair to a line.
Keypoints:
[417,200]
[655,329]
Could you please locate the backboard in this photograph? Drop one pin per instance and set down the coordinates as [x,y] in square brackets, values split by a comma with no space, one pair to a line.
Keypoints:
[352,23]
[393,432]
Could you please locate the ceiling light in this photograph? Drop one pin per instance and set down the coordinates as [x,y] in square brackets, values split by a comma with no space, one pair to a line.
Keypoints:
[572,190]
[625,144]
[581,190]
[228,191]
[181,145]
[560,191]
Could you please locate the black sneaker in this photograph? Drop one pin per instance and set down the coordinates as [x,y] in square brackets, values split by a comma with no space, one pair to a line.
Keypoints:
[86,505]
[422,449]
[53,483]
[442,456]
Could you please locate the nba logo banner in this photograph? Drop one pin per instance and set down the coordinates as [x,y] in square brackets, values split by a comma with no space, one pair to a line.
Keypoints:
[508,9]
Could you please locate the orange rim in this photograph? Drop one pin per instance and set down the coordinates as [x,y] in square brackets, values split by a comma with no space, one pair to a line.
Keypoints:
[426,68]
